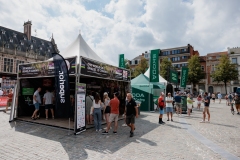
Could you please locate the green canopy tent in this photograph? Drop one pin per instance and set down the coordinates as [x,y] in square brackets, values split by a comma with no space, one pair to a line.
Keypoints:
[142,91]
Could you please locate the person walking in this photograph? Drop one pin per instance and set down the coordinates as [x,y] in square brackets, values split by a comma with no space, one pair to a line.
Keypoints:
[48,102]
[10,96]
[237,103]
[230,98]
[213,97]
[97,112]
[199,101]
[169,106]
[189,104]
[89,104]
[219,97]
[206,108]
[107,109]
[226,98]
[178,100]
[36,101]
[114,104]
[131,112]
[161,105]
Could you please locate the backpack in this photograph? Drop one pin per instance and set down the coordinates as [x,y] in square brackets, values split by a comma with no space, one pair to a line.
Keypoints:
[160,102]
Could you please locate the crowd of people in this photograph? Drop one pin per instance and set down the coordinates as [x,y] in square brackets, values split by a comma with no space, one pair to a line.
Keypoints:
[110,108]
[173,103]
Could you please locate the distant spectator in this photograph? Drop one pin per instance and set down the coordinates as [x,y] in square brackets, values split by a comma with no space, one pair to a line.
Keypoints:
[219,97]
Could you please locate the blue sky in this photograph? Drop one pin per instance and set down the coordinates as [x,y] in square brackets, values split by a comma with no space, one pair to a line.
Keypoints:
[111,27]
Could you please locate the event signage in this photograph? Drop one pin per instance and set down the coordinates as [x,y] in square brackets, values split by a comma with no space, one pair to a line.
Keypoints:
[154,67]
[61,85]
[102,70]
[27,91]
[121,61]
[80,122]
[184,77]
[174,76]
[3,101]
[45,68]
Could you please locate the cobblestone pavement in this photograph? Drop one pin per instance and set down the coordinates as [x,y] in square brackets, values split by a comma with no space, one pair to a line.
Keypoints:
[180,139]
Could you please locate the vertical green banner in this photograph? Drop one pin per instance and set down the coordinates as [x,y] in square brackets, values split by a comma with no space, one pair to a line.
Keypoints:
[174,76]
[121,61]
[184,77]
[154,65]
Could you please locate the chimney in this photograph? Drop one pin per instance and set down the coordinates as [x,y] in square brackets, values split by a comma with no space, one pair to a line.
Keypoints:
[27,29]
[142,54]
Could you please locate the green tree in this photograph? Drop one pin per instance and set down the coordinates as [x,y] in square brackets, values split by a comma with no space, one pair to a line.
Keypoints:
[225,71]
[195,73]
[141,67]
[165,64]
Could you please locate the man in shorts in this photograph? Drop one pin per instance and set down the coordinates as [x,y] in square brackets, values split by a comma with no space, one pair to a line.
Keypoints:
[48,102]
[178,100]
[161,105]
[206,108]
[219,97]
[131,112]
[114,104]
[36,101]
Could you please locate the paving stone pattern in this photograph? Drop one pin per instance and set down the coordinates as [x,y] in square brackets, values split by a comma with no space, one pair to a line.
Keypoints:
[21,140]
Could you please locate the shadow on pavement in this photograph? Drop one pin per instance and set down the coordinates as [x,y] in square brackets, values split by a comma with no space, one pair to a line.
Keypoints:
[90,141]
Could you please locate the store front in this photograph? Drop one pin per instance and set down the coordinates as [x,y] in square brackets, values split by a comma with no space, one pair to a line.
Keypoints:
[92,75]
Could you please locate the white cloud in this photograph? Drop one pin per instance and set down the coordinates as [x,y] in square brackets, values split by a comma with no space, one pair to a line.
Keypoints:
[131,27]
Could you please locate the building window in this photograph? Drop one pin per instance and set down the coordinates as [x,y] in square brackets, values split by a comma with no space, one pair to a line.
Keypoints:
[209,57]
[234,60]
[146,55]
[17,63]
[11,40]
[202,67]
[136,61]
[8,65]
[130,62]
[3,32]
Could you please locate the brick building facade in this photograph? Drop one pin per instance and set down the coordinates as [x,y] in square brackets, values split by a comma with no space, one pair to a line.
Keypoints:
[17,48]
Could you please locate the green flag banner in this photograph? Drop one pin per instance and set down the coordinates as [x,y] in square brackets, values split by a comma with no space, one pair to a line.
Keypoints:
[121,61]
[184,77]
[154,66]
[173,76]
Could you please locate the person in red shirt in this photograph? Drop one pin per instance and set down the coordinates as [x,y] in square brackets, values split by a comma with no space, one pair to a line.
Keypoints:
[10,95]
[161,105]
[114,104]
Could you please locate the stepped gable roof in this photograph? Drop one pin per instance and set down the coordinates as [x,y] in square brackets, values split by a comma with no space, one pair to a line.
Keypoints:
[13,39]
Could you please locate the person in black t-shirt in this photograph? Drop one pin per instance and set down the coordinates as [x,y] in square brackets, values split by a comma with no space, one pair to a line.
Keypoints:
[206,107]
[131,112]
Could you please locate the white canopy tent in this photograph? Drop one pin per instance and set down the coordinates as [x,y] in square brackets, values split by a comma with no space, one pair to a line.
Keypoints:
[161,79]
[78,48]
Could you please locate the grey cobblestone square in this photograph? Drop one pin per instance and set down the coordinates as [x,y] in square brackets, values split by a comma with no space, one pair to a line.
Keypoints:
[174,140]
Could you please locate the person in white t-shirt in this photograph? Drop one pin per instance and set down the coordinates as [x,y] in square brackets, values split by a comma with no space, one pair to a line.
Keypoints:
[48,102]
[1,92]
[219,97]
[169,106]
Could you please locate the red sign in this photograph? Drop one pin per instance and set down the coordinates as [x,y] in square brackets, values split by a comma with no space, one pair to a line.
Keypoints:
[3,101]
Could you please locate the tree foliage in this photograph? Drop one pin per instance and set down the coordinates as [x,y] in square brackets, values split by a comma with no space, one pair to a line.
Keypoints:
[195,72]
[225,71]
[165,64]
[141,67]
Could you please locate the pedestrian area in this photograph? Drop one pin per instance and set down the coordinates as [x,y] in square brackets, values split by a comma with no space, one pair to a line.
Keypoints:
[185,138]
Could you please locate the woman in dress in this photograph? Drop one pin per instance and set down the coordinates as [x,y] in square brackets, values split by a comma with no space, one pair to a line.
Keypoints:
[189,104]
[199,101]
[107,108]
